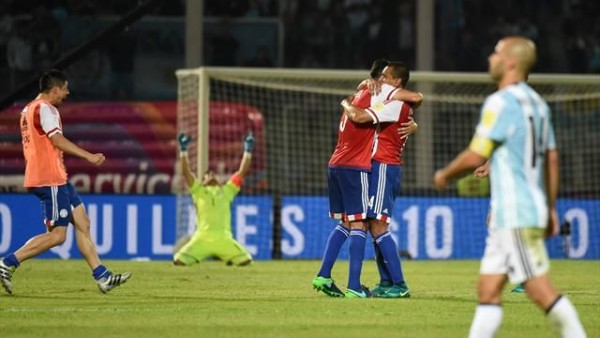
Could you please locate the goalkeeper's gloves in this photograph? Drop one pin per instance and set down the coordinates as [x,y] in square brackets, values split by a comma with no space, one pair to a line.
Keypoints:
[184,141]
[249,143]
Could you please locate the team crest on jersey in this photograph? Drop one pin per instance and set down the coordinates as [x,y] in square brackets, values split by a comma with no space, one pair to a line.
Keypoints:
[378,107]
[489,118]
[63,213]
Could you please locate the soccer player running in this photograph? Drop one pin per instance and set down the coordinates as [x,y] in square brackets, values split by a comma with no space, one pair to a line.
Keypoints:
[348,182]
[46,177]
[386,174]
[213,237]
[515,131]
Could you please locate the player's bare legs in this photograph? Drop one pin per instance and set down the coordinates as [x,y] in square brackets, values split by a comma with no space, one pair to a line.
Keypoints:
[36,245]
[377,227]
[488,315]
[33,247]
[489,288]
[82,234]
[105,279]
[560,311]
[541,291]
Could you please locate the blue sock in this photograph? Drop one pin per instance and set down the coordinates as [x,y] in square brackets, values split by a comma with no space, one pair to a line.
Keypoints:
[334,243]
[100,271]
[384,274]
[11,260]
[390,255]
[356,246]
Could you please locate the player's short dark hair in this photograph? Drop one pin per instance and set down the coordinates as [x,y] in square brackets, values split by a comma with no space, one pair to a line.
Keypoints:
[377,67]
[52,78]
[400,70]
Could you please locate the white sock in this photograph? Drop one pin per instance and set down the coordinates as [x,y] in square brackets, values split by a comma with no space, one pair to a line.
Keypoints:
[486,321]
[564,317]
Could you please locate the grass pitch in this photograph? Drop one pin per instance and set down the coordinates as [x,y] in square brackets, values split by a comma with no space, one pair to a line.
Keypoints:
[55,298]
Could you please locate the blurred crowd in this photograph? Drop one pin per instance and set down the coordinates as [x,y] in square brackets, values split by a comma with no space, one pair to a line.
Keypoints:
[345,34]
[350,33]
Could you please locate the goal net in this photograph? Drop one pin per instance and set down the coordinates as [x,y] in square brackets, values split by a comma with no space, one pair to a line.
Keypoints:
[294,115]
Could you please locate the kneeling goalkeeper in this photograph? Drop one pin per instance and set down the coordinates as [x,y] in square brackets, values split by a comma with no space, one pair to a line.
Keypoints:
[213,237]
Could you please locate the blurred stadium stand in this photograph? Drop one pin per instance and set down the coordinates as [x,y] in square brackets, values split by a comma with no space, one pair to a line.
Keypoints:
[139,64]
[138,140]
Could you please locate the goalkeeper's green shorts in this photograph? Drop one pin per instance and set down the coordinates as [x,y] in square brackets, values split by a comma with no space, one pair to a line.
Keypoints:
[205,246]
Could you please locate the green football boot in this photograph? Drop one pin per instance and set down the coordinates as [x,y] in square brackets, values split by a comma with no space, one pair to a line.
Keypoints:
[327,286]
[362,293]
[518,289]
[399,290]
[381,288]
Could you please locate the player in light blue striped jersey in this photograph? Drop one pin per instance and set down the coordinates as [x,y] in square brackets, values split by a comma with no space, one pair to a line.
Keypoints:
[516,133]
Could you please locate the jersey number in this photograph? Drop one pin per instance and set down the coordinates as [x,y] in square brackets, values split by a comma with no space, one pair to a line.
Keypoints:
[536,144]
[343,122]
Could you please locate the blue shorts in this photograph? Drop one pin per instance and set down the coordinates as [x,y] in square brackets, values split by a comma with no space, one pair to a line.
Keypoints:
[57,203]
[348,194]
[384,185]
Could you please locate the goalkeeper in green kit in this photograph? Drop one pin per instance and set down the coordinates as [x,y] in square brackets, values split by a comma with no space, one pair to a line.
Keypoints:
[213,237]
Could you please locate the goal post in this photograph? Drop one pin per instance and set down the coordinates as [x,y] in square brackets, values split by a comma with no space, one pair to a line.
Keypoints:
[295,113]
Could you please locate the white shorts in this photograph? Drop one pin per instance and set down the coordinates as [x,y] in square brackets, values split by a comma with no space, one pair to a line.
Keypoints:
[518,253]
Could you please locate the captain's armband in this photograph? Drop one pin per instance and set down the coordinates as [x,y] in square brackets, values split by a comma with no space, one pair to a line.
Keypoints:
[482,146]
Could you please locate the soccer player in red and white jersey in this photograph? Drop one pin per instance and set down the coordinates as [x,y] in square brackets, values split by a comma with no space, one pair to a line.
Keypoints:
[46,177]
[348,179]
[386,174]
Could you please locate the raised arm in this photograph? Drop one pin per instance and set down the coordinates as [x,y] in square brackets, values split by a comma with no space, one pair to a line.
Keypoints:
[249,143]
[373,85]
[188,175]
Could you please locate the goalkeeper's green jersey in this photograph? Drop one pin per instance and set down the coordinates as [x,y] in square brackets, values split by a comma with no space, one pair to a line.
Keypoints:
[213,207]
